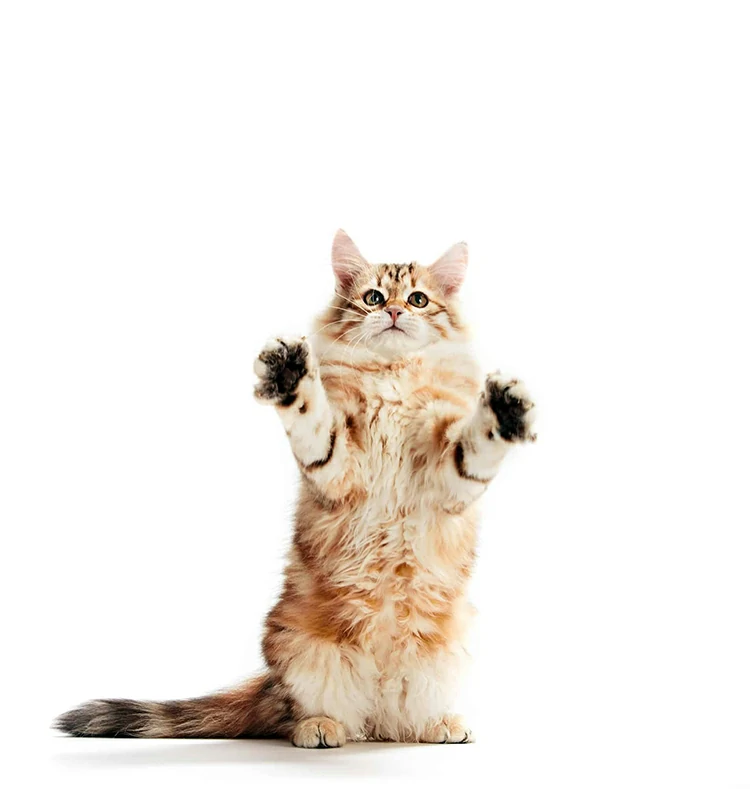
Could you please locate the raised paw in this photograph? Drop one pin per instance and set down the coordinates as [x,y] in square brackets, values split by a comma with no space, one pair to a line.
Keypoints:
[449,729]
[510,403]
[280,367]
[318,733]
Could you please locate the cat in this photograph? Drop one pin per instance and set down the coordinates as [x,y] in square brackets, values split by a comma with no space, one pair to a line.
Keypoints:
[396,436]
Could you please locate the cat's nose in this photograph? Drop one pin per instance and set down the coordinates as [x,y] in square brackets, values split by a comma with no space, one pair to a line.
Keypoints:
[394,312]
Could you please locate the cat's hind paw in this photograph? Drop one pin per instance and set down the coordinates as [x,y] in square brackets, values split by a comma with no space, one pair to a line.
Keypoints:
[514,411]
[280,367]
[449,729]
[318,733]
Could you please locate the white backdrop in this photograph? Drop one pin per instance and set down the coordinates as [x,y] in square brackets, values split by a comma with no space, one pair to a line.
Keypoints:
[171,178]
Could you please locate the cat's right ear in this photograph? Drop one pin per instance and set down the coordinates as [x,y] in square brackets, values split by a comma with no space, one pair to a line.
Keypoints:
[347,260]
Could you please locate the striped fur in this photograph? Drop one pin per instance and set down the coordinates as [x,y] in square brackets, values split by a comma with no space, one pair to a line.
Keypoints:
[396,436]
[260,708]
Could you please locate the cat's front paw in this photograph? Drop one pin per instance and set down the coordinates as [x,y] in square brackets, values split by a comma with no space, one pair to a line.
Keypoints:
[510,403]
[280,367]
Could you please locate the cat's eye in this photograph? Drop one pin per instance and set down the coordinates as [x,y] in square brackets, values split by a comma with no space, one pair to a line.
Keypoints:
[372,298]
[418,299]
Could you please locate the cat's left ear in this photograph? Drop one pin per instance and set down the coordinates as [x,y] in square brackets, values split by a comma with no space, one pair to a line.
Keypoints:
[450,269]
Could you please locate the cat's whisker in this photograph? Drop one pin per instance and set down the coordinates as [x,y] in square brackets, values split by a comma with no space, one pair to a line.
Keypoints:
[359,313]
[326,325]
[357,338]
[365,333]
[334,346]
[353,303]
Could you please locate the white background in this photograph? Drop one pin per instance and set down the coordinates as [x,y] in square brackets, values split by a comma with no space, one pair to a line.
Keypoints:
[172,175]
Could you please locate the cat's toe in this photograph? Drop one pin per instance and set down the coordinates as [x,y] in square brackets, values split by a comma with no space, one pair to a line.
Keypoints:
[280,366]
[318,733]
[512,406]
[450,729]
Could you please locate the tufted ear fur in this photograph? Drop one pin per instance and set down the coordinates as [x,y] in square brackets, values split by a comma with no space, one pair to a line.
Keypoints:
[449,270]
[347,260]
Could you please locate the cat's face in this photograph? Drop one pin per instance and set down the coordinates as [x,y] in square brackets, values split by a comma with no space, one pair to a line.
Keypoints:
[393,309]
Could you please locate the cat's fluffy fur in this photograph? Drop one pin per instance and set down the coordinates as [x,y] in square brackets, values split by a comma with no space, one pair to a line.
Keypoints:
[396,436]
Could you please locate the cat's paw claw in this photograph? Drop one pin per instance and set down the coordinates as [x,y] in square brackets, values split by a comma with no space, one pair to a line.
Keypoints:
[512,407]
[280,367]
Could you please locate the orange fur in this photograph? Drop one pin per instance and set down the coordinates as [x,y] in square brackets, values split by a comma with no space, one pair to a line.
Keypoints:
[395,436]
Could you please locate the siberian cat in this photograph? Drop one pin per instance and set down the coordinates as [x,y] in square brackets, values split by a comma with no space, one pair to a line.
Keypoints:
[396,436]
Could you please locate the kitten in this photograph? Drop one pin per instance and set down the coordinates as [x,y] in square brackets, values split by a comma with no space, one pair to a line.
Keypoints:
[396,436]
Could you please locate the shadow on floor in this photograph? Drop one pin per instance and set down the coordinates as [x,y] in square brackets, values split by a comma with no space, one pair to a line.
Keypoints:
[136,753]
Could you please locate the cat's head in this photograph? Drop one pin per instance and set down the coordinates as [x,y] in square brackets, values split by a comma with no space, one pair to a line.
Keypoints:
[393,309]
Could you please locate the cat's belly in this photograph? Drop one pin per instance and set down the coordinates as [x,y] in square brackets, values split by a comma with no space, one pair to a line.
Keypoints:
[389,476]
[415,643]
[394,569]
[419,660]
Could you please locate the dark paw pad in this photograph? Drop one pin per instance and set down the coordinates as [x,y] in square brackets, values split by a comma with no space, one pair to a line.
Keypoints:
[280,366]
[511,407]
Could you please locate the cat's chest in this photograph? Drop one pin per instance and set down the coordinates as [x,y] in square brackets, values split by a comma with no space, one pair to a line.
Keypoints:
[387,416]
[388,411]
[388,421]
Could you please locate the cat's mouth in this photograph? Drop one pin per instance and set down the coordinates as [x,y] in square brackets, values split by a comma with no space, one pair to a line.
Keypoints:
[393,328]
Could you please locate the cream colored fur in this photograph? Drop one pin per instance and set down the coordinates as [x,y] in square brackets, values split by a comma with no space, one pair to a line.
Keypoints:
[395,543]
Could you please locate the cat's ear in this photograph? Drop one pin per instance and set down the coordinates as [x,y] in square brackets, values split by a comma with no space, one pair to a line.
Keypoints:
[347,259]
[449,270]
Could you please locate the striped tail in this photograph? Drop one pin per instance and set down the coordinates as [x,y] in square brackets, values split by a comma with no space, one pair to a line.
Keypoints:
[259,708]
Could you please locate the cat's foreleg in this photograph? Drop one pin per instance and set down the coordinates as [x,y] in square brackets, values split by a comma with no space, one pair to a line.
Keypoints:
[288,377]
[504,416]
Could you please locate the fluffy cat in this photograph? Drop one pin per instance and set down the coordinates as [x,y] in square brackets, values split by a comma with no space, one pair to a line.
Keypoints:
[396,436]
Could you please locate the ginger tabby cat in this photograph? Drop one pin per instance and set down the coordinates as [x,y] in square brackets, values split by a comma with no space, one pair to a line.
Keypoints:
[396,435]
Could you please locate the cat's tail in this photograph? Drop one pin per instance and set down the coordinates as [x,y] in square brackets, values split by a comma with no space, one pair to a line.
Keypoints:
[259,708]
